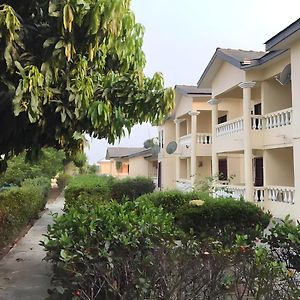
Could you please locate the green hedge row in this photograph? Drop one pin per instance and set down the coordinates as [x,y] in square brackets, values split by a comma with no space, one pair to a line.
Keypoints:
[19,205]
[88,190]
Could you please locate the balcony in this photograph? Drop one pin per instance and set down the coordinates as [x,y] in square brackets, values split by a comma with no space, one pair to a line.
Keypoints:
[203,144]
[268,131]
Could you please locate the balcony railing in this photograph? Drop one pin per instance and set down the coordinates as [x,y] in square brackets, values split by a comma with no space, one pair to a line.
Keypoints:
[201,138]
[271,193]
[234,191]
[272,120]
[230,127]
[281,194]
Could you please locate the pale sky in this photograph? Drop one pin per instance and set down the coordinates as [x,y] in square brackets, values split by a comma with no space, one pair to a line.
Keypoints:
[181,37]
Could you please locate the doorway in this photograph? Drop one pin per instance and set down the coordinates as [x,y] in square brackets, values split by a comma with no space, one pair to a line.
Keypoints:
[258,171]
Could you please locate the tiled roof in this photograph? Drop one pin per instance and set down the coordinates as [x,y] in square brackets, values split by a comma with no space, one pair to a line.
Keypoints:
[121,152]
[192,90]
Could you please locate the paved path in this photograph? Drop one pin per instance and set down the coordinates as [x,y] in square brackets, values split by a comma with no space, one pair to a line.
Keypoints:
[23,273]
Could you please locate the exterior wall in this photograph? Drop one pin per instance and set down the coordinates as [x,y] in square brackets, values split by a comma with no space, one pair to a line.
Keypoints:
[203,168]
[227,77]
[279,167]
[204,122]
[232,107]
[168,171]
[138,166]
[109,168]
[235,165]
[184,106]
[275,96]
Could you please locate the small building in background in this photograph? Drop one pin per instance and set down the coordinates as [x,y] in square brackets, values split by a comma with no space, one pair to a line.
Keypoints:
[122,162]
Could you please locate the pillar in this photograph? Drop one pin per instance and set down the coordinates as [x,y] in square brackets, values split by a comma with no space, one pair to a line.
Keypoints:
[193,115]
[248,164]
[177,159]
[214,122]
[295,77]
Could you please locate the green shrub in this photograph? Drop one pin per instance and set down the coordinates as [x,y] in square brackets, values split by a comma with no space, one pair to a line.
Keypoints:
[223,219]
[131,188]
[171,201]
[88,190]
[63,180]
[17,207]
[43,183]
[95,248]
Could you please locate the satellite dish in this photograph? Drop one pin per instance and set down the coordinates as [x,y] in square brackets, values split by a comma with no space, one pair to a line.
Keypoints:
[171,148]
[285,75]
[155,150]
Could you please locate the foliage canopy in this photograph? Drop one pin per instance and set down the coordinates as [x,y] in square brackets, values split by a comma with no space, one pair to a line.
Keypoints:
[73,66]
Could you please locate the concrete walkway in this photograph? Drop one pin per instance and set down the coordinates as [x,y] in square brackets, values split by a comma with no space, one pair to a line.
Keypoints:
[23,273]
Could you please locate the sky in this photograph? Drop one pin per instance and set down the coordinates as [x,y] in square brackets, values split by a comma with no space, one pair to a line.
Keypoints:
[182,36]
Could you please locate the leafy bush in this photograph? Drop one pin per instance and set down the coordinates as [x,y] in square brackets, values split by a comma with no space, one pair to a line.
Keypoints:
[172,201]
[43,183]
[90,247]
[284,242]
[223,219]
[49,164]
[88,190]
[17,207]
[131,188]
[63,180]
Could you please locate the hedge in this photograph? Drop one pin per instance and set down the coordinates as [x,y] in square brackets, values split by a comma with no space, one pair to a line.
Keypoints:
[88,190]
[171,201]
[223,219]
[18,206]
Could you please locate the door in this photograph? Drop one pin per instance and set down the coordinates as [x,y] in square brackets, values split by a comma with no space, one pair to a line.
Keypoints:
[223,169]
[257,112]
[159,176]
[259,171]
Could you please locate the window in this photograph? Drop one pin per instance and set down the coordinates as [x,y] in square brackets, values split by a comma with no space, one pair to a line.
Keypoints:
[222,119]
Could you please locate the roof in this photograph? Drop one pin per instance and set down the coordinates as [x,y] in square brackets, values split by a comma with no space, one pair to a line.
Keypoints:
[279,40]
[122,152]
[241,59]
[192,90]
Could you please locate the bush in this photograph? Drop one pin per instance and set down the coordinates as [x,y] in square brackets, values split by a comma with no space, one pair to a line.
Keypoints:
[48,165]
[131,188]
[88,190]
[99,251]
[43,183]
[17,207]
[63,180]
[172,201]
[222,219]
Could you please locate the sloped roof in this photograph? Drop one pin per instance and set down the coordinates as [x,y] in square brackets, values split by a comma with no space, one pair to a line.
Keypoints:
[241,59]
[122,152]
[192,90]
[280,40]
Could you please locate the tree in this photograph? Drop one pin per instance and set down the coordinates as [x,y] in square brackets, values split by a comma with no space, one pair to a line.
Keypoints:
[73,66]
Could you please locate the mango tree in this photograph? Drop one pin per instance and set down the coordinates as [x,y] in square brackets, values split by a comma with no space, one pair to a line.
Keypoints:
[69,67]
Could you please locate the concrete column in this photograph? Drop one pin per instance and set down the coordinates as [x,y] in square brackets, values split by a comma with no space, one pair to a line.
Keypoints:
[295,77]
[248,165]
[177,159]
[214,122]
[193,115]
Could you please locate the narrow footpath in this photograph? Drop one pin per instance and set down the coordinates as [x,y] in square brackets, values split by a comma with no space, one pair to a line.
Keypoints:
[23,273]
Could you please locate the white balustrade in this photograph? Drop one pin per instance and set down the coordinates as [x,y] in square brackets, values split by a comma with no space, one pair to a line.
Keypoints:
[281,194]
[201,138]
[233,191]
[204,138]
[184,185]
[257,122]
[185,140]
[259,194]
[230,127]
[278,118]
